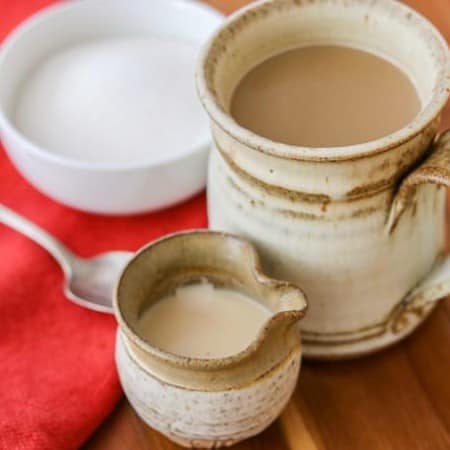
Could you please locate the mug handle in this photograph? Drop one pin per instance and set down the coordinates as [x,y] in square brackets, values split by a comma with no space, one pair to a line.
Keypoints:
[434,170]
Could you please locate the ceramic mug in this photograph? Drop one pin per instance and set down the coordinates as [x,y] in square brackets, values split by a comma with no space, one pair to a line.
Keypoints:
[360,228]
[207,403]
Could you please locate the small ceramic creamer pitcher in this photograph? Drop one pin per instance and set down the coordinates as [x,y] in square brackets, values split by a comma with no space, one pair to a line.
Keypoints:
[207,402]
[360,227]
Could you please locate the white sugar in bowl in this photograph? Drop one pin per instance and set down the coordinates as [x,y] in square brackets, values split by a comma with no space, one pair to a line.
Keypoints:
[98,107]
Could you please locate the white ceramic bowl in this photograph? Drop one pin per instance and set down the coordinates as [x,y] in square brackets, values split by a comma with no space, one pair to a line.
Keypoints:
[101,187]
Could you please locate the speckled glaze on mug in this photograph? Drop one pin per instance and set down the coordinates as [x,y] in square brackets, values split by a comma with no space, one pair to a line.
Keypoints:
[207,403]
[360,228]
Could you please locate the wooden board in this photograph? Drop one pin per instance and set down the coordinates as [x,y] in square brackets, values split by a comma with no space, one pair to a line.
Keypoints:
[397,399]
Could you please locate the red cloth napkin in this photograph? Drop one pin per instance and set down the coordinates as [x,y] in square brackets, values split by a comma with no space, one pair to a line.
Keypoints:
[57,375]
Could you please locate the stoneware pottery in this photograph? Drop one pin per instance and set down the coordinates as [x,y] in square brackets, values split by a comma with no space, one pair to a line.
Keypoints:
[102,187]
[207,402]
[360,228]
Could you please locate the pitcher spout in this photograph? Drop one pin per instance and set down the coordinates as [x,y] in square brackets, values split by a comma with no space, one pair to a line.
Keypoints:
[288,305]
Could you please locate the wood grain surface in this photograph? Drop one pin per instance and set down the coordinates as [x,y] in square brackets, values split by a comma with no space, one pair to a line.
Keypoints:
[397,399]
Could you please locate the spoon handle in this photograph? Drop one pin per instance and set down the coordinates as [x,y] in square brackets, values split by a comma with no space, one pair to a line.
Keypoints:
[15,221]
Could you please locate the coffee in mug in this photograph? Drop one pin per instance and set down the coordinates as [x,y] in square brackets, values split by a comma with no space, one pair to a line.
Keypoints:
[325,96]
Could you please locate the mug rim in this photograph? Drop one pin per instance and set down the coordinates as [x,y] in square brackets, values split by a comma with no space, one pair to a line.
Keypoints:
[428,113]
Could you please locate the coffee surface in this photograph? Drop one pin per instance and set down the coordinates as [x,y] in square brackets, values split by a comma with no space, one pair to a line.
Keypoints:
[325,96]
[201,321]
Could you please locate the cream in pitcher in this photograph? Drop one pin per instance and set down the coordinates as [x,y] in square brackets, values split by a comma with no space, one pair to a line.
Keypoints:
[203,321]
[358,226]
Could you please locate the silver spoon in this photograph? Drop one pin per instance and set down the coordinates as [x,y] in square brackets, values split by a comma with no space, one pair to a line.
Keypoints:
[88,282]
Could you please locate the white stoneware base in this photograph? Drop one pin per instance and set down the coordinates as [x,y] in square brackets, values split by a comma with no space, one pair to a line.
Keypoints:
[353,345]
[203,419]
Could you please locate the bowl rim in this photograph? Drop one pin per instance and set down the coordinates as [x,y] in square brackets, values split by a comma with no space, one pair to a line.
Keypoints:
[11,132]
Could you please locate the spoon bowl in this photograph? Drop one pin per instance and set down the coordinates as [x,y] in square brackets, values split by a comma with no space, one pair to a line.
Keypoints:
[89,282]
[92,281]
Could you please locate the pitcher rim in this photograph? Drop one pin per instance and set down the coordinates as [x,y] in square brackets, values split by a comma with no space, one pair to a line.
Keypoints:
[132,333]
